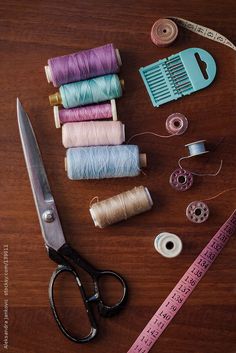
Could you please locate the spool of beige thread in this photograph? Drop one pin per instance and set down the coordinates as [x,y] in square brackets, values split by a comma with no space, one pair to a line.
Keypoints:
[121,206]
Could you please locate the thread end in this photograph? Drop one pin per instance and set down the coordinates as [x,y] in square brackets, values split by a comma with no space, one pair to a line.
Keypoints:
[143,160]
[55,99]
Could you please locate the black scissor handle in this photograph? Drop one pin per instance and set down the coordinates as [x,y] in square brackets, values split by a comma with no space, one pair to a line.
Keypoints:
[109,310]
[64,330]
[105,310]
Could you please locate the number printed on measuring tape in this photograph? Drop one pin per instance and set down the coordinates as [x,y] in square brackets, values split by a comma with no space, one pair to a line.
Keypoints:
[203,31]
[184,288]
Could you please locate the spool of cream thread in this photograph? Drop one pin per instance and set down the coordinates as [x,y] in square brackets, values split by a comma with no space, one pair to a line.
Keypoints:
[168,244]
[142,161]
[48,71]
[121,207]
[93,133]
[56,112]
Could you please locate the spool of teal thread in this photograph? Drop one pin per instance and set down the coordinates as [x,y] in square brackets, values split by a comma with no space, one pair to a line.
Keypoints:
[95,90]
[103,162]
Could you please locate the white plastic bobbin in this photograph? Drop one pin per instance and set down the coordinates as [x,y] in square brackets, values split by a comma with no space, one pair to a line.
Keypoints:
[56,116]
[168,244]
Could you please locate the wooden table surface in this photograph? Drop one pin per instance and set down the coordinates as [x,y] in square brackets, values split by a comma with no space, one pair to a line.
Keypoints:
[30,33]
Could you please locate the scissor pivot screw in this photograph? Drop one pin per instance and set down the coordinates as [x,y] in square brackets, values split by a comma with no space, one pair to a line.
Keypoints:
[48,216]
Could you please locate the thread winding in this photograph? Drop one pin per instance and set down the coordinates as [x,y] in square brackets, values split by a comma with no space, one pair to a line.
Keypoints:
[196,149]
[103,162]
[86,113]
[83,65]
[164,32]
[93,133]
[121,207]
[94,90]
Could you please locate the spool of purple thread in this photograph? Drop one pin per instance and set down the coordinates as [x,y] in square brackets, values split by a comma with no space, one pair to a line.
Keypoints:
[86,113]
[83,65]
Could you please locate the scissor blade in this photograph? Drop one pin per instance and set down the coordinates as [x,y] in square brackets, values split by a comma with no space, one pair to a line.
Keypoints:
[33,159]
[51,229]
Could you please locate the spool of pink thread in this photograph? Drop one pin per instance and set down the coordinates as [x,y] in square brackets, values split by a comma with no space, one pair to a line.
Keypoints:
[83,65]
[93,133]
[164,32]
[85,113]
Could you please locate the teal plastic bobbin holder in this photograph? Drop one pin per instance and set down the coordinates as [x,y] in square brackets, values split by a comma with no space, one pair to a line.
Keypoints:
[178,75]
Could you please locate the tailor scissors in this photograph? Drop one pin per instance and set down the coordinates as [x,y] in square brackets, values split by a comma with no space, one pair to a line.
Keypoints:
[58,249]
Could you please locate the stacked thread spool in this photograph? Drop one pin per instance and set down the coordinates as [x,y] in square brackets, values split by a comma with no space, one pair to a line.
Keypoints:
[88,86]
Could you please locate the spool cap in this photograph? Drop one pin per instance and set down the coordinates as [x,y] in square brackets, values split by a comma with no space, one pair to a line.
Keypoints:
[168,244]
[118,57]
[56,117]
[143,160]
[113,109]
[197,212]
[55,99]
[122,83]
[48,73]
[164,32]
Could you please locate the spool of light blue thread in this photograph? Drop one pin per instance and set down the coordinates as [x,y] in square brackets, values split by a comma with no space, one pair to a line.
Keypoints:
[95,90]
[104,162]
[196,148]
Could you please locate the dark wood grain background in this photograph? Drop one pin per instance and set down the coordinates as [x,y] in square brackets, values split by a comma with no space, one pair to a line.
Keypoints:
[30,33]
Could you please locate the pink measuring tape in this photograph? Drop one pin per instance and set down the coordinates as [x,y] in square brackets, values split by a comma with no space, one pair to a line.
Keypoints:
[184,288]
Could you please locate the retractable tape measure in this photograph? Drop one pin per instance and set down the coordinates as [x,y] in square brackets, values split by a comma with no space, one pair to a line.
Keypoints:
[184,288]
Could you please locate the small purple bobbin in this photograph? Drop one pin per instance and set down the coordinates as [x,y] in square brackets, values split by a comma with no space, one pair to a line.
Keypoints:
[197,212]
[181,180]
